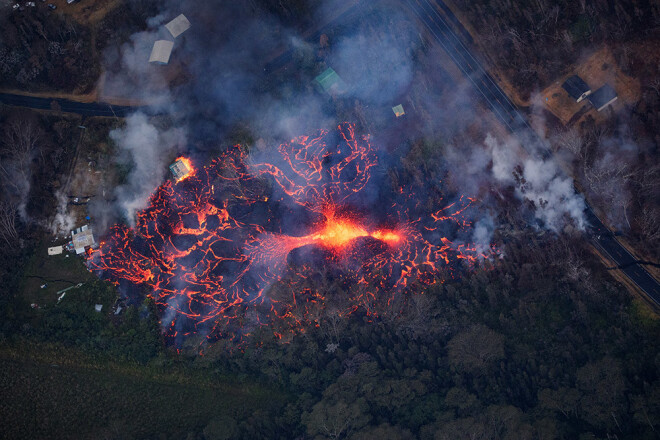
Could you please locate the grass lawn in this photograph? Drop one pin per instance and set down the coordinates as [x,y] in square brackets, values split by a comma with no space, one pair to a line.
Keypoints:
[57,271]
[48,392]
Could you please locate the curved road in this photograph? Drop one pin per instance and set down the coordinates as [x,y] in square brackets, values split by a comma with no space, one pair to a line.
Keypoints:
[436,17]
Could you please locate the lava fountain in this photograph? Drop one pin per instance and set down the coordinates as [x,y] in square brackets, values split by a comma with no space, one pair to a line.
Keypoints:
[213,248]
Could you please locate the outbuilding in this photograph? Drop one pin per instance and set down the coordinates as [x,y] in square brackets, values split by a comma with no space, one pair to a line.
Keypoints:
[398,110]
[55,250]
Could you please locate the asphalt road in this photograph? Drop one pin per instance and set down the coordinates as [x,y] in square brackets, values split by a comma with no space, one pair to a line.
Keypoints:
[438,19]
[68,106]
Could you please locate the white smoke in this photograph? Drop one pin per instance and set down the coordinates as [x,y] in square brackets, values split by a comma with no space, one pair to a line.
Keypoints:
[147,149]
[62,222]
[541,182]
[482,235]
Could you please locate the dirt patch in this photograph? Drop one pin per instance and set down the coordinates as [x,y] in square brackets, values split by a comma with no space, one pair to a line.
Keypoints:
[86,12]
[596,69]
[87,97]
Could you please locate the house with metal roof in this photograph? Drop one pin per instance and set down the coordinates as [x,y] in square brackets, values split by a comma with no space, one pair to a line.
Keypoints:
[82,238]
[398,110]
[178,26]
[331,82]
[603,97]
[161,52]
[179,169]
[576,88]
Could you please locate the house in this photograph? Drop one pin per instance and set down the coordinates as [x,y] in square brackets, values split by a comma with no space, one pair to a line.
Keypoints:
[178,26]
[576,88]
[603,97]
[161,52]
[82,238]
[181,168]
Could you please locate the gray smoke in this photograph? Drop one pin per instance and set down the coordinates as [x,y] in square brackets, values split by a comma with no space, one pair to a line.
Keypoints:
[63,222]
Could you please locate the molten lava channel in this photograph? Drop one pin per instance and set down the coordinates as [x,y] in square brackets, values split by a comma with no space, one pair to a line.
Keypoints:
[210,249]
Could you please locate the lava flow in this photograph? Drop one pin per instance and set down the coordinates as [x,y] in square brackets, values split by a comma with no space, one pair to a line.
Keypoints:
[233,244]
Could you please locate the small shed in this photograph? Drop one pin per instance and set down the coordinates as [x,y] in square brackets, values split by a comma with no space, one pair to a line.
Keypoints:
[178,26]
[82,238]
[603,97]
[161,52]
[55,250]
[576,88]
[98,307]
[398,110]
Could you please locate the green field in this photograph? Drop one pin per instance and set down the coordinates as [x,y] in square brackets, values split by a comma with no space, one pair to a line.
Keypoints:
[57,272]
[68,394]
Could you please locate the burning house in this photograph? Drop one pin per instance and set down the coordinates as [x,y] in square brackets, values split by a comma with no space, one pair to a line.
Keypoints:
[178,26]
[160,53]
[181,168]
[82,238]
[398,110]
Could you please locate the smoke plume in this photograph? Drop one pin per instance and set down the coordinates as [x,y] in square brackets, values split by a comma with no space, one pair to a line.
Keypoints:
[146,151]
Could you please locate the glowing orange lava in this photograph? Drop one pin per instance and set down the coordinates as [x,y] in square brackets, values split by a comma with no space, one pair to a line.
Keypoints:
[213,252]
[337,233]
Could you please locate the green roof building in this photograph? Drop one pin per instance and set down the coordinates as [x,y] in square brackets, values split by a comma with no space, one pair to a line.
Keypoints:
[330,82]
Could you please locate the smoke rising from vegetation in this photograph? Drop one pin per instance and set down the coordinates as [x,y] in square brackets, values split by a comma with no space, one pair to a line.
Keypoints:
[145,151]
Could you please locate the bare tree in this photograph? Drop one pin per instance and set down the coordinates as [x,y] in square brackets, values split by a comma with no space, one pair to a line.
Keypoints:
[20,141]
[572,141]
[8,232]
[649,223]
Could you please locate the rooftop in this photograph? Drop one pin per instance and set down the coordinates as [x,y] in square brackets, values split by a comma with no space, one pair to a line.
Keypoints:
[161,52]
[178,26]
[576,87]
[82,238]
[330,81]
[179,169]
[398,110]
[602,97]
